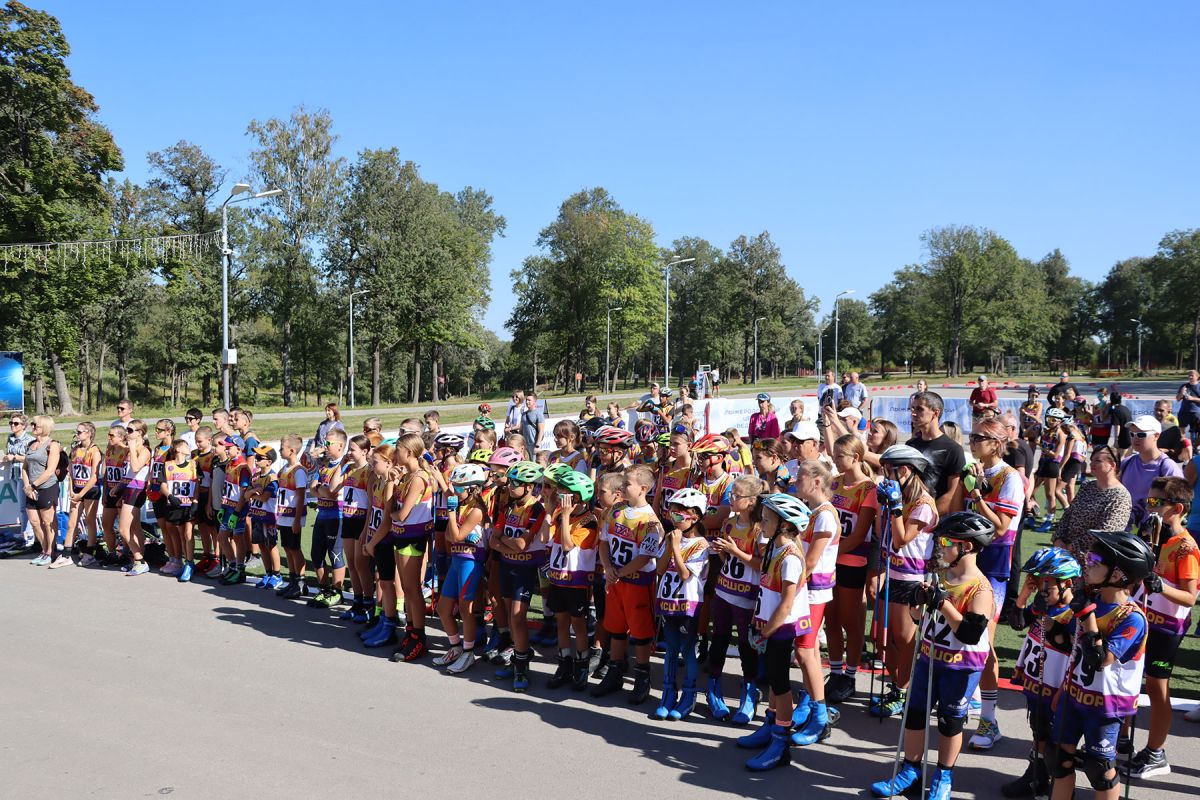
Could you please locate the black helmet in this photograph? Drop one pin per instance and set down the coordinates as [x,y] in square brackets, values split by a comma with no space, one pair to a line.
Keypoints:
[1126,552]
[966,526]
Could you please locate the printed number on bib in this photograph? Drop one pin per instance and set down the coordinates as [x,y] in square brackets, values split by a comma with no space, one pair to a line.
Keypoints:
[621,552]
[376,518]
[734,568]
[112,474]
[1083,674]
[81,472]
[512,533]
[229,490]
[181,488]
[671,586]
[558,559]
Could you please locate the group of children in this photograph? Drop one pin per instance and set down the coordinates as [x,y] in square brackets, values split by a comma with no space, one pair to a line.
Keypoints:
[653,537]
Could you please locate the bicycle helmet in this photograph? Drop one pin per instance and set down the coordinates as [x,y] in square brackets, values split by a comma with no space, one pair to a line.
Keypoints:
[690,498]
[449,441]
[575,481]
[1124,551]
[524,472]
[480,456]
[711,444]
[487,423]
[1052,562]
[552,473]
[644,431]
[966,526]
[763,396]
[1056,413]
[485,408]
[504,457]
[787,507]
[901,455]
[664,439]
[469,475]
[610,436]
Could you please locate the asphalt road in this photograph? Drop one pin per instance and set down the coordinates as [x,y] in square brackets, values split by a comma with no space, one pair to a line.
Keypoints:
[120,688]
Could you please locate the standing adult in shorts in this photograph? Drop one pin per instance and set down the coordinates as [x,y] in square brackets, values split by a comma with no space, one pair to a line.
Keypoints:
[41,487]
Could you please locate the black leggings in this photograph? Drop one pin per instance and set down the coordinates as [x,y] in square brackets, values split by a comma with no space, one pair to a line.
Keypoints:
[778,660]
[385,560]
[746,654]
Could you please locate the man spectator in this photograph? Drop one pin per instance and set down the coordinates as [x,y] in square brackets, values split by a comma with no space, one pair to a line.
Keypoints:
[1171,441]
[946,457]
[373,430]
[1120,418]
[1064,383]
[829,393]
[805,442]
[533,424]
[1189,403]
[124,413]
[983,400]
[192,420]
[856,394]
[1148,462]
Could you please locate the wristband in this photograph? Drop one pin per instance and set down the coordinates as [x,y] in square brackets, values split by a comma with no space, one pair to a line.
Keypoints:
[1090,608]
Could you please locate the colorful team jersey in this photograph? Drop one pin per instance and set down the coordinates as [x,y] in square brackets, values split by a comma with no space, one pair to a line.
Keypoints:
[266,507]
[1112,691]
[1049,443]
[83,465]
[784,564]
[947,649]
[204,468]
[737,583]
[288,507]
[908,563]
[377,514]
[116,466]
[440,510]
[850,501]
[237,480]
[156,471]
[740,461]
[354,492]
[670,482]
[522,518]
[1005,494]
[718,491]
[181,482]
[824,519]
[575,460]
[474,545]
[1042,663]
[634,532]
[327,507]
[1178,562]
[573,568]
[419,523]
[680,595]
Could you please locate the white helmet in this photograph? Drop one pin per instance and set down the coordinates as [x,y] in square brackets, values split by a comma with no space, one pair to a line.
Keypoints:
[690,498]
[1056,413]
[469,475]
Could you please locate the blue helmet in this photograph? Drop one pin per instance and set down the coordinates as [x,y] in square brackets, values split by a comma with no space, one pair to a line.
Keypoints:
[788,507]
[1052,562]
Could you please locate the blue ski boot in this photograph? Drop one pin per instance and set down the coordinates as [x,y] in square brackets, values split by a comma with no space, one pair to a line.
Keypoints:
[815,729]
[687,701]
[748,705]
[777,754]
[908,774]
[761,737]
[716,703]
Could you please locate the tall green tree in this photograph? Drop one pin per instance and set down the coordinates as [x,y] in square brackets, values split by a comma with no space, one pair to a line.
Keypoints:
[1177,267]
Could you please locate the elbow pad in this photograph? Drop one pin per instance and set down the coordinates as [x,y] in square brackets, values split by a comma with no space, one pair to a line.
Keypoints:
[972,628]
[1092,649]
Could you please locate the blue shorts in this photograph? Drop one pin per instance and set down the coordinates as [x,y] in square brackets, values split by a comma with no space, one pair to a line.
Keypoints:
[519,582]
[1098,731]
[327,543]
[462,579]
[231,522]
[952,689]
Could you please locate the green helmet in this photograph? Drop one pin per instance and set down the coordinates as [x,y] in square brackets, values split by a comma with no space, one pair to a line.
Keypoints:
[575,481]
[552,473]
[487,423]
[524,472]
[664,439]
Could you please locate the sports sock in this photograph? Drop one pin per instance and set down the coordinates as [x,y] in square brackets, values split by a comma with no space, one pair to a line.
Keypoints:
[835,667]
[988,698]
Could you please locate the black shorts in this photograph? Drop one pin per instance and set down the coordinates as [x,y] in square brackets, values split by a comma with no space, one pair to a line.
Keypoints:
[902,592]
[290,537]
[204,509]
[1072,470]
[1123,441]
[111,500]
[162,509]
[352,527]
[177,515]
[1161,649]
[1097,441]
[851,577]
[92,494]
[1048,468]
[263,531]
[568,600]
[46,497]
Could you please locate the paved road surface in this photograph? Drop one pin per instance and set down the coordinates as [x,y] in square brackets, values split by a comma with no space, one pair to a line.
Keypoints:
[126,688]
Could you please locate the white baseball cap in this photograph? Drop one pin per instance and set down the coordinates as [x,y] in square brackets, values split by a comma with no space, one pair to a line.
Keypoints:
[850,413]
[804,430]
[1146,424]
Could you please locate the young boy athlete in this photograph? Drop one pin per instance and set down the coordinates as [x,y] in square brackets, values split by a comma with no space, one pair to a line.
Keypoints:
[289,514]
[233,510]
[263,495]
[326,553]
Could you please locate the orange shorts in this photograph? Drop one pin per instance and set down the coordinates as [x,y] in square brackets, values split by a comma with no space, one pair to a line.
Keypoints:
[816,612]
[627,609]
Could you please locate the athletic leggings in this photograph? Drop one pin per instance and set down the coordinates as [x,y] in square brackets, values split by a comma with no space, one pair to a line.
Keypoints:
[679,635]
[726,616]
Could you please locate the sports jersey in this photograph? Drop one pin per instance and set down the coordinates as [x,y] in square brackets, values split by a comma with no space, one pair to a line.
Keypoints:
[782,565]
[1178,561]
[237,480]
[156,471]
[327,507]
[850,500]
[1049,443]
[679,595]
[1045,654]
[204,468]
[671,481]
[288,510]
[737,582]
[419,522]
[573,568]
[1005,494]
[475,550]
[354,491]
[1112,691]
[718,491]
[824,519]
[634,532]
[908,563]
[266,507]
[440,509]
[948,650]
[741,461]
[378,499]
[575,460]
[83,465]
[116,465]
[521,518]
[182,482]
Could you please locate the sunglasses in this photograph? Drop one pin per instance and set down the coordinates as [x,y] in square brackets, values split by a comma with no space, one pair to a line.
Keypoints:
[132,430]
[945,541]
[1156,502]
[162,430]
[737,496]
[1139,434]
[12,423]
[976,438]
[191,419]
[1094,559]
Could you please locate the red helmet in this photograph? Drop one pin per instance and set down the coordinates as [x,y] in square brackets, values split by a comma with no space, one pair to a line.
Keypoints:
[645,431]
[485,408]
[711,444]
[610,436]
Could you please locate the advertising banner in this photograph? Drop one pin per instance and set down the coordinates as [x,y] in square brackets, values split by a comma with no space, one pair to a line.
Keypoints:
[12,381]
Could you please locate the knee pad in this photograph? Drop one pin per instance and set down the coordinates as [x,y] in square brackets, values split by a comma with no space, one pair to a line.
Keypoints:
[950,726]
[1059,763]
[916,719]
[618,637]
[1096,769]
[637,640]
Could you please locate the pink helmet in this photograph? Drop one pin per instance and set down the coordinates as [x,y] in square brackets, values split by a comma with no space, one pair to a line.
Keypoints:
[504,457]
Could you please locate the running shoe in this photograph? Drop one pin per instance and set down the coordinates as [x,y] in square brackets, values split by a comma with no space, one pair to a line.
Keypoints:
[892,704]
[449,657]
[87,560]
[465,661]
[185,574]
[986,735]
[274,581]
[254,562]
[215,571]
[140,568]
[172,569]
[1146,764]
[61,561]
[263,582]
[40,561]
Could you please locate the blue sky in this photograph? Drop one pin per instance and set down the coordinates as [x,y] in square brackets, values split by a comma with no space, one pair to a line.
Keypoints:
[843,129]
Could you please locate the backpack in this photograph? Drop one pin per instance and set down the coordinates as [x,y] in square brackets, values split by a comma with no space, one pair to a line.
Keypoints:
[63,467]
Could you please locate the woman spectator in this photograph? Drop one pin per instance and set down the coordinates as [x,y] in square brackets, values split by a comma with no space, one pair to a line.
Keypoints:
[332,421]
[41,487]
[881,435]
[763,423]
[796,407]
[516,411]
[1100,505]
[922,386]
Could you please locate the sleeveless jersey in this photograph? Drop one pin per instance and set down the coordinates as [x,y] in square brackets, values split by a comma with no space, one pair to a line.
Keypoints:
[182,482]
[235,473]
[680,595]
[420,517]
[822,577]
[909,562]
[156,472]
[354,492]
[465,549]
[1177,562]
[576,460]
[850,502]
[1111,691]
[377,514]
[521,518]
[671,481]
[116,465]
[1049,446]
[327,507]
[737,583]
[266,509]
[204,468]
[440,510]
[287,502]
[948,650]
[1005,495]
[634,532]
[83,460]
[770,591]
[573,568]
[1042,663]
[719,492]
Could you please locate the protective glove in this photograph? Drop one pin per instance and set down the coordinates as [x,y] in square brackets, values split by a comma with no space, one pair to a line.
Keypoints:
[889,497]
[1153,584]
[452,503]
[931,596]
[1017,619]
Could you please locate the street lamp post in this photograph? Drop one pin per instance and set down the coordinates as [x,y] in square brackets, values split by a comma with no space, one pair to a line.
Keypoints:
[607,344]
[821,349]
[760,319]
[1138,322]
[667,319]
[228,356]
[350,368]
[836,320]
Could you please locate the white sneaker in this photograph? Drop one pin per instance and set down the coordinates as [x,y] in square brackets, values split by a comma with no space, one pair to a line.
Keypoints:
[986,735]
[463,663]
[254,562]
[449,657]
[61,561]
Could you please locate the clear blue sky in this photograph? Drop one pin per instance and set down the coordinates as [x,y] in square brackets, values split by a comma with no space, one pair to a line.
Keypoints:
[843,129]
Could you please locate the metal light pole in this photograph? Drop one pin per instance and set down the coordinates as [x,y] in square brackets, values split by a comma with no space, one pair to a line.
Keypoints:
[607,345]
[229,356]
[821,350]
[836,320]
[1138,322]
[760,319]
[350,368]
[667,319]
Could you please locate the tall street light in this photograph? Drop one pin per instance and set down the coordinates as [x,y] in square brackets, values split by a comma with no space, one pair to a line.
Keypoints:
[760,319]
[667,320]
[607,343]
[821,350]
[836,320]
[350,368]
[229,356]
[1138,322]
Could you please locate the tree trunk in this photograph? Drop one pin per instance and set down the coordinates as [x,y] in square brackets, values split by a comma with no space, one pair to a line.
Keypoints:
[375,373]
[535,369]
[65,407]
[98,397]
[85,377]
[433,373]
[416,381]
[122,372]
[206,390]
[285,359]
[39,394]
[1196,340]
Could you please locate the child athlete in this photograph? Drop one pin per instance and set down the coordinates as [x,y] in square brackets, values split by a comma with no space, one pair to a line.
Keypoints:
[467,530]
[86,460]
[180,493]
[573,533]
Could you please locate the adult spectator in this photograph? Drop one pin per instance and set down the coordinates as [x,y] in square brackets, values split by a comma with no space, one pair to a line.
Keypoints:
[1060,388]
[1171,441]
[835,425]
[124,413]
[412,425]
[829,393]
[881,435]
[1019,454]
[191,420]
[983,400]
[796,407]
[1103,504]
[1120,418]
[332,421]
[1189,403]
[715,376]
[946,457]
[922,386]
[763,423]
[373,430]
[15,448]
[512,417]
[590,408]
[856,394]
[805,443]
[533,424]
[41,487]
[1147,463]
[1100,431]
